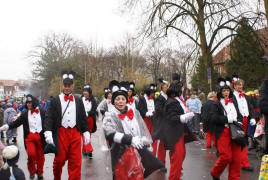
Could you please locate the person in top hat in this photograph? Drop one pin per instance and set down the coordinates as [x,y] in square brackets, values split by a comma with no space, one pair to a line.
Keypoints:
[159,119]
[246,110]
[65,121]
[146,108]
[105,104]
[132,100]
[90,108]
[128,138]
[33,122]
[177,115]
[224,113]
[10,170]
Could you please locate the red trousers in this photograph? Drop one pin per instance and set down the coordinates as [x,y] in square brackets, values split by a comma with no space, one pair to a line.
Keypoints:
[177,157]
[88,147]
[244,155]
[34,149]
[149,124]
[69,148]
[210,137]
[129,166]
[229,154]
[161,152]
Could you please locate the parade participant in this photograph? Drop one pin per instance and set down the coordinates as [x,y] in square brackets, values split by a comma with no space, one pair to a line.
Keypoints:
[9,117]
[105,104]
[226,112]
[263,103]
[246,111]
[90,108]
[146,108]
[65,121]
[128,138]
[177,117]
[159,119]
[1,120]
[208,126]
[33,122]
[10,170]
[132,100]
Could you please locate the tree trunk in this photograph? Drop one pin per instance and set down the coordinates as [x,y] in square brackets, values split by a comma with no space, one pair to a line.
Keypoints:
[266,9]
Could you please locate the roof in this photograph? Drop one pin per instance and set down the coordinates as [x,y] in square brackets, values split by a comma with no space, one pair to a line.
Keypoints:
[9,83]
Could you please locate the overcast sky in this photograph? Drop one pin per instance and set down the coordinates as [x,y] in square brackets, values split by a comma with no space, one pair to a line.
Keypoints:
[24,22]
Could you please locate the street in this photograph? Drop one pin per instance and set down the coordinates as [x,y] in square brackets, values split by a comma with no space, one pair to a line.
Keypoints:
[196,166]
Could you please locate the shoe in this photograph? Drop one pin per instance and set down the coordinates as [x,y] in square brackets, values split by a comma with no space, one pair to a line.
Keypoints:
[209,147]
[32,176]
[90,155]
[164,170]
[40,176]
[214,178]
[248,169]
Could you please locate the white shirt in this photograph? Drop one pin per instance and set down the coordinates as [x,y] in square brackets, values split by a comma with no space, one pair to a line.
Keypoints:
[69,118]
[35,123]
[182,104]
[87,105]
[110,105]
[242,104]
[163,94]
[229,109]
[150,104]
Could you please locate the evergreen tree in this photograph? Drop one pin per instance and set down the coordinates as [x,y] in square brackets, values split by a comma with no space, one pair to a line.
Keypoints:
[246,56]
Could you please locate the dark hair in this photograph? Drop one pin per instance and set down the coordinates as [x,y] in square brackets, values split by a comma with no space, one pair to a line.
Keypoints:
[175,89]
[219,94]
[106,94]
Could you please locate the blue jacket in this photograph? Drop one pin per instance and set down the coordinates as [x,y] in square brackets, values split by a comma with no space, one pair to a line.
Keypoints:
[194,104]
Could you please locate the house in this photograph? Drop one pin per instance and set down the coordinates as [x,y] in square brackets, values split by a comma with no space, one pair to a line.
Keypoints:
[9,88]
[224,54]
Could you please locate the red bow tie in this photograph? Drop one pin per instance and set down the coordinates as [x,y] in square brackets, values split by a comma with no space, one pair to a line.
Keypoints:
[71,98]
[150,98]
[228,101]
[87,99]
[241,94]
[35,111]
[129,114]
[130,100]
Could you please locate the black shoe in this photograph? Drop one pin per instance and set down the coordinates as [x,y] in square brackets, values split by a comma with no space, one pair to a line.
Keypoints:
[90,155]
[32,176]
[40,176]
[214,178]
[164,170]
[248,169]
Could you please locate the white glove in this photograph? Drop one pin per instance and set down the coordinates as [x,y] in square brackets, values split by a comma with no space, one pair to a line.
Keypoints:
[48,137]
[4,127]
[136,142]
[149,114]
[86,137]
[252,122]
[145,140]
[186,117]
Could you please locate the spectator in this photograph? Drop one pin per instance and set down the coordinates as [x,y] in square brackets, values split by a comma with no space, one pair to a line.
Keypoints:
[10,170]
[263,104]
[201,96]
[9,116]
[194,104]
[1,120]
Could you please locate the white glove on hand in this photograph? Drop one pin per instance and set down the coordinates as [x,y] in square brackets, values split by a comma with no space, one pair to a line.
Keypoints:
[186,117]
[136,142]
[48,137]
[149,114]
[86,137]
[4,127]
[145,141]
[252,122]
[231,119]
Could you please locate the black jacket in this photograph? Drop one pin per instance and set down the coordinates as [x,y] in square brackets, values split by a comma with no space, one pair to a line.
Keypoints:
[23,120]
[54,117]
[17,172]
[93,112]
[263,104]
[142,106]
[219,119]
[206,115]
[159,117]
[173,128]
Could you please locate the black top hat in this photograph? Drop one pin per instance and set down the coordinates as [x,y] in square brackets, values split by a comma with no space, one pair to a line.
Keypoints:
[68,77]
[118,89]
